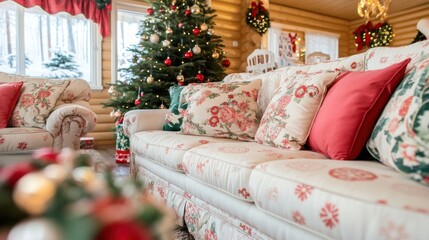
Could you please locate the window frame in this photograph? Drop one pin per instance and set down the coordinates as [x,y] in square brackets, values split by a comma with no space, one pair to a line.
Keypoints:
[131,6]
[95,81]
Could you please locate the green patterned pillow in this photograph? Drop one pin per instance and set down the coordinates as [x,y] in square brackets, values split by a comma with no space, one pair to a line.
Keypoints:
[173,120]
[400,138]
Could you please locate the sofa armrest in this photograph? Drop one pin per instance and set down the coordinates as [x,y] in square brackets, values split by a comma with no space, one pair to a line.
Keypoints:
[144,120]
[68,123]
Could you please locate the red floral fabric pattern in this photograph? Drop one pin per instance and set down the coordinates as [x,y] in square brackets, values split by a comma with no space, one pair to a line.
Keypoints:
[286,122]
[227,110]
[36,102]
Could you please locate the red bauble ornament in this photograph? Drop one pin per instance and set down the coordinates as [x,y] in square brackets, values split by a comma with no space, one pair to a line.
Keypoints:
[124,229]
[188,12]
[188,54]
[10,174]
[226,62]
[196,31]
[167,62]
[200,77]
[142,94]
[137,101]
[181,83]
[46,154]
[150,11]
[161,10]
[173,7]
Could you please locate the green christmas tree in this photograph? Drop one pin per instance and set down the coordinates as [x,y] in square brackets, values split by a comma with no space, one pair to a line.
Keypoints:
[178,46]
[62,65]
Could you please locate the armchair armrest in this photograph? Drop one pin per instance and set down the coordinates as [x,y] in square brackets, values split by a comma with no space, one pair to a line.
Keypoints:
[143,120]
[68,123]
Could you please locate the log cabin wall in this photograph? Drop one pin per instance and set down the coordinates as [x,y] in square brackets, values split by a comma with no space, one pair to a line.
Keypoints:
[403,23]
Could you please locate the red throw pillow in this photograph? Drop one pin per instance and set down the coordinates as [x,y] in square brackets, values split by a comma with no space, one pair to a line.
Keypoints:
[9,95]
[351,109]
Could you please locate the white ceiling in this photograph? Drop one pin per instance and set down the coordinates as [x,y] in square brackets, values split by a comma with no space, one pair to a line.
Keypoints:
[345,9]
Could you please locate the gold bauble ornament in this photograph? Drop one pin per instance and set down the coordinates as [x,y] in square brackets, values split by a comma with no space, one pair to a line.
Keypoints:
[165,43]
[210,31]
[180,77]
[154,38]
[33,192]
[196,49]
[169,31]
[150,79]
[195,9]
[204,27]
[215,55]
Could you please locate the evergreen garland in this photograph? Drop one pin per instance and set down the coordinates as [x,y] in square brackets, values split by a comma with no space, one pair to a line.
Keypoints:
[258,17]
[103,3]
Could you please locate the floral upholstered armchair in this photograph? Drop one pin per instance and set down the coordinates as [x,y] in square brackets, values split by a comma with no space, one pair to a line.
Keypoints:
[48,113]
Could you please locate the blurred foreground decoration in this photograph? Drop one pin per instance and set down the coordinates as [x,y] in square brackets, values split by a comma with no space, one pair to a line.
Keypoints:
[59,196]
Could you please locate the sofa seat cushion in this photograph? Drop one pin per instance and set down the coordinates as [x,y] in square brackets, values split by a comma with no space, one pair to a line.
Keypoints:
[166,147]
[21,140]
[227,166]
[363,199]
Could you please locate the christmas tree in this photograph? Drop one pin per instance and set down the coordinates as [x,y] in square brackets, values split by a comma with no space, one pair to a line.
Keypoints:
[178,46]
[62,65]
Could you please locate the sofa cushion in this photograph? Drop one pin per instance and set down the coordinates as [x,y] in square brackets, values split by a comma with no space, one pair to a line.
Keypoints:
[9,94]
[36,102]
[351,109]
[173,119]
[167,148]
[226,110]
[363,199]
[400,137]
[21,140]
[287,121]
[227,166]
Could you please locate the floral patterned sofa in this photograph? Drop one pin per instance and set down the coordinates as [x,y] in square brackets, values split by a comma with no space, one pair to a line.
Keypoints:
[54,113]
[229,189]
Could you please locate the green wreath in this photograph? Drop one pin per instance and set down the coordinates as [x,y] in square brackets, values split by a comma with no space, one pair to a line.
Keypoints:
[258,17]
[103,3]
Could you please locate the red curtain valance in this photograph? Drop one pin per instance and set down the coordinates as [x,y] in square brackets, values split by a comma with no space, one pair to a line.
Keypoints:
[86,7]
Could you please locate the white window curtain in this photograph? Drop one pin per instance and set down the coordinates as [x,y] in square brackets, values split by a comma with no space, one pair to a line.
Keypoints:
[321,42]
[273,43]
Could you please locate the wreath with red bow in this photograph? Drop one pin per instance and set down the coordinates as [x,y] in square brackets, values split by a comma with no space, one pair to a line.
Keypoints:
[258,17]
[373,36]
[104,4]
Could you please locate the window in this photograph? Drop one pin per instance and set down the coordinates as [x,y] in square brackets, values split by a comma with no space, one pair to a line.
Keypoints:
[35,43]
[322,42]
[126,20]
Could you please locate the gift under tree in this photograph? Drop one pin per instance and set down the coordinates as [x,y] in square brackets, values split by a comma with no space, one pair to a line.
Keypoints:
[177,46]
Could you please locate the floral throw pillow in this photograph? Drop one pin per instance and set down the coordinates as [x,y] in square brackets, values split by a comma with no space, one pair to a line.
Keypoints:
[36,102]
[287,121]
[400,138]
[226,110]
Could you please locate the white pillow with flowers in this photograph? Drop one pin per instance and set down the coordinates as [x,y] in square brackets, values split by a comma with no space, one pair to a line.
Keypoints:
[287,121]
[227,110]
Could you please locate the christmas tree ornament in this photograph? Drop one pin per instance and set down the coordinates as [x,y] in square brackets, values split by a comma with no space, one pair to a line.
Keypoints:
[173,8]
[165,43]
[215,55]
[150,79]
[84,176]
[195,9]
[150,11]
[204,27]
[56,172]
[111,90]
[188,54]
[180,25]
[154,38]
[162,106]
[35,229]
[181,83]
[118,114]
[196,49]
[33,192]
[180,77]
[144,37]
[167,62]
[137,101]
[162,10]
[169,30]
[188,11]
[112,113]
[226,63]
[210,31]
[200,77]
[142,94]
[196,31]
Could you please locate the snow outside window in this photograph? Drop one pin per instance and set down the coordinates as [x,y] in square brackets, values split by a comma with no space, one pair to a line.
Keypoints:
[322,42]
[126,20]
[35,43]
